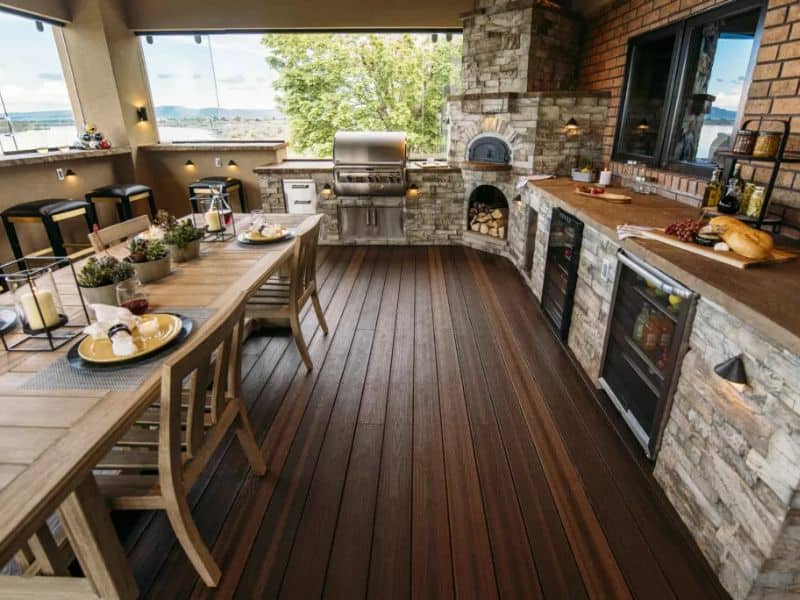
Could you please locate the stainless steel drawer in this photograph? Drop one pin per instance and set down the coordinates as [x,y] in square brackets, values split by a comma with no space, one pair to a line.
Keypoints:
[371,222]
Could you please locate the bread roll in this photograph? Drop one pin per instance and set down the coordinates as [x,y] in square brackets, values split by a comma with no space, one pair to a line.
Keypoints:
[751,243]
[724,223]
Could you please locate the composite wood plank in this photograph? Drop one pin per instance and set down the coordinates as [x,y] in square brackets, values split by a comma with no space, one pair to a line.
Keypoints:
[601,573]
[430,529]
[555,564]
[348,567]
[473,570]
[605,464]
[390,565]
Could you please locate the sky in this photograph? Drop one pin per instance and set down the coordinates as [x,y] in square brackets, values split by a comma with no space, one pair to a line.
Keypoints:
[30,73]
[176,64]
[732,56]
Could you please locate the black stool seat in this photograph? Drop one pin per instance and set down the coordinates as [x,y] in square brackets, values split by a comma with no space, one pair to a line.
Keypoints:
[202,187]
[49,213]
[45,208]
[124,195]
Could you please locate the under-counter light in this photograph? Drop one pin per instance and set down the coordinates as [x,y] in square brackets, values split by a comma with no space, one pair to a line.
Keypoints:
[732,371]
[327,190]
[412,191]
[572,126]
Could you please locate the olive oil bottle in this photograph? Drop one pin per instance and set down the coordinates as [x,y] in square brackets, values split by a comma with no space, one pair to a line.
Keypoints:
[713,190]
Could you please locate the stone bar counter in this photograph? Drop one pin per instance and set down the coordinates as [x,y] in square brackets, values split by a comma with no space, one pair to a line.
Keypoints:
[729,460]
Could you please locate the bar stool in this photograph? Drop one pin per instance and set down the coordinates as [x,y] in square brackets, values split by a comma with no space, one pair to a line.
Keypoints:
[50,213]
[124,195]
[202,187]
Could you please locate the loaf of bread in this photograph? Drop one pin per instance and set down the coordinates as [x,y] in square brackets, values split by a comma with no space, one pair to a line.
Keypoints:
[723,223]
[744,240]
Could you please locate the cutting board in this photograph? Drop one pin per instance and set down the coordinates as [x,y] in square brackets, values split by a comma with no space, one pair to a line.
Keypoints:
[607,197]
[729,258]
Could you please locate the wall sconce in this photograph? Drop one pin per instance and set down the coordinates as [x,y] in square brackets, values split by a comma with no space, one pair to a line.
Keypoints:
[188,163]
[732,371]
[327,190]
[412,191]
[69,173]
[141,113]
[571,128]
[232,163]
[643,126]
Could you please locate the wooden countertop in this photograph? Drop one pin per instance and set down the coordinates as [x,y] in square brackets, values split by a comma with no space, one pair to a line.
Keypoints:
[56,156]
[763,297]
[325,165]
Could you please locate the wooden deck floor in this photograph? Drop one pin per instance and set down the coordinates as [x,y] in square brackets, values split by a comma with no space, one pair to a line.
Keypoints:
[443,445]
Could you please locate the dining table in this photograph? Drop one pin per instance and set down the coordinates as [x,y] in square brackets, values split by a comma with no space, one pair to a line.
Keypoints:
[51,437]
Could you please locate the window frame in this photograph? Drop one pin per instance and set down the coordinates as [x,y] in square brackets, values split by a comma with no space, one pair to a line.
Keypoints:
[678,72]
[142,34]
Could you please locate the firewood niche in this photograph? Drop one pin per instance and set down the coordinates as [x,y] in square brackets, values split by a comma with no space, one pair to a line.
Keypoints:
[488,212]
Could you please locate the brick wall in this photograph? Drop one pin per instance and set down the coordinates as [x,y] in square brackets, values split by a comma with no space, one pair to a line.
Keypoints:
[773,91]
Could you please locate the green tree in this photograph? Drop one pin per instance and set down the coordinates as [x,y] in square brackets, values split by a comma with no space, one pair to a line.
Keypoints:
[390,82]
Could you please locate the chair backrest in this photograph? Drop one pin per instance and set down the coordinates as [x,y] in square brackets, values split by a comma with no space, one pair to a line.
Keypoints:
[212,362]
[119,232]
[304,260]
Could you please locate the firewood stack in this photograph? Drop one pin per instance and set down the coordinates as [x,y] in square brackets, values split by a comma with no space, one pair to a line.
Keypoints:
[488,221]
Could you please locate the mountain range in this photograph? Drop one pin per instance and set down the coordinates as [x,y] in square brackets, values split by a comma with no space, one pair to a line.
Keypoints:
[163,112]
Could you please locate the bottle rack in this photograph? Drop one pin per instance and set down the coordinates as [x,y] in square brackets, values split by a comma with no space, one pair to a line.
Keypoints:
[780,158]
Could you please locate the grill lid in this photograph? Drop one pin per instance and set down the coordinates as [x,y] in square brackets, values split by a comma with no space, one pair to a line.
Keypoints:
[369,147]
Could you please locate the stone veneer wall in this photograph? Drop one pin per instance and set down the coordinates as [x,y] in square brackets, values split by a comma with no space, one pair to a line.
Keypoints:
[730,461]
[513,46]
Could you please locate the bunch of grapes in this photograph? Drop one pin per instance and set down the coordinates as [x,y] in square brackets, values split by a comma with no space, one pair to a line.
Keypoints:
[684,230]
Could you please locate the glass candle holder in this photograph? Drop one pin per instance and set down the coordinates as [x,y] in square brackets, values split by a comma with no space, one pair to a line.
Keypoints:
[130,295]
[37,300]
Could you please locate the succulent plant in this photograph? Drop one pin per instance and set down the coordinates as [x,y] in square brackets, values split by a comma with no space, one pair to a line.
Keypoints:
[182,234]
[104,270]
[165,221]
[142,250]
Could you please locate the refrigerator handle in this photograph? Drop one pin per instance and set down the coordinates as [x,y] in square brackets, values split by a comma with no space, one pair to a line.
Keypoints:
[660,282]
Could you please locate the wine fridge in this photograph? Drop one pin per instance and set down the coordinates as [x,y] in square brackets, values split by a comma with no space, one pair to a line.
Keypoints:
[645,344]
[561,270]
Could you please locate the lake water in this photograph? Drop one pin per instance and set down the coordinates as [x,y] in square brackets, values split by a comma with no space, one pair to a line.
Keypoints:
[65,135]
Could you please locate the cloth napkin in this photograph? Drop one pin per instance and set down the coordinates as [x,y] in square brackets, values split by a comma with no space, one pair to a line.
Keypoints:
[627,231]
[108,317]
[523,181]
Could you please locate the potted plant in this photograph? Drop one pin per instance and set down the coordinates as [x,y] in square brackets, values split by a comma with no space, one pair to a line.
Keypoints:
[181,237]
[150,259]
[99,277]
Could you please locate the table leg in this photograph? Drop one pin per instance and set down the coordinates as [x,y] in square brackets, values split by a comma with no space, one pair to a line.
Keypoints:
[95,543]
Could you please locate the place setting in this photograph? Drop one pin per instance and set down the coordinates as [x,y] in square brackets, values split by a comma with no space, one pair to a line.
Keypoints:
[261,231]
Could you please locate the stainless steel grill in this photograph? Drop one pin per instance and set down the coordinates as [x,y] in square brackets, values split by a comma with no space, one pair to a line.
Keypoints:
[369,163]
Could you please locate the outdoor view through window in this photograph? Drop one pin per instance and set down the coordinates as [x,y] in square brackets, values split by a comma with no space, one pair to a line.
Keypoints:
[302,87]
[35,109]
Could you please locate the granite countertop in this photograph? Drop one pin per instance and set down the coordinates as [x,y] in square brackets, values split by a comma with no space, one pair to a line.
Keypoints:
[37,158]
[213,146]
[319,165]
[763,297]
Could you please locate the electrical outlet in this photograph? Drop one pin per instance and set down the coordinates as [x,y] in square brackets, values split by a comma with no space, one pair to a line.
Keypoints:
[60,174]
[218,162]
[606,270]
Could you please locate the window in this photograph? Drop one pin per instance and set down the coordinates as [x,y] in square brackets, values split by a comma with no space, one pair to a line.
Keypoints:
[35,109]
[685,87]
[302,87]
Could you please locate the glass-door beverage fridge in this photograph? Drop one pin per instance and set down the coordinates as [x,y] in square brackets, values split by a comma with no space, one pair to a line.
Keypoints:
[561,270]
[645,343]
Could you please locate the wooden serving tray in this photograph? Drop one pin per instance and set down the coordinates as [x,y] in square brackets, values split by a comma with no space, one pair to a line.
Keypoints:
[607,197]
[729,258]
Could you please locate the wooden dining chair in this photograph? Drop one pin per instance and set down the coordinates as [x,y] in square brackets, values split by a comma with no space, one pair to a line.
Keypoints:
[281,299]
[118,232]
[158,461]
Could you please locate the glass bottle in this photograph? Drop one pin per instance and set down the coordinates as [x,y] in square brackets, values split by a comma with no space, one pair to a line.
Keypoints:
[638,326]
[729,203]
[713,190]
[651,333]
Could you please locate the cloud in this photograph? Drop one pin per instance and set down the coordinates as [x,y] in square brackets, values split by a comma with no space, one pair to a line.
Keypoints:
[166,76]
[728,100]
[50,76]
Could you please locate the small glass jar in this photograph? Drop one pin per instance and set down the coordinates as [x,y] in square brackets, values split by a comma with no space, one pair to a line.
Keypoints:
[130,295]
[747,192]
[756,201]
[37,301]
[745,141]
[216,212]
[767,145]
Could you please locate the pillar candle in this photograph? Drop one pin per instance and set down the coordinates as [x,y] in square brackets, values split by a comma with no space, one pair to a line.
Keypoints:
[47,305]
[212,220]
[605,177]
